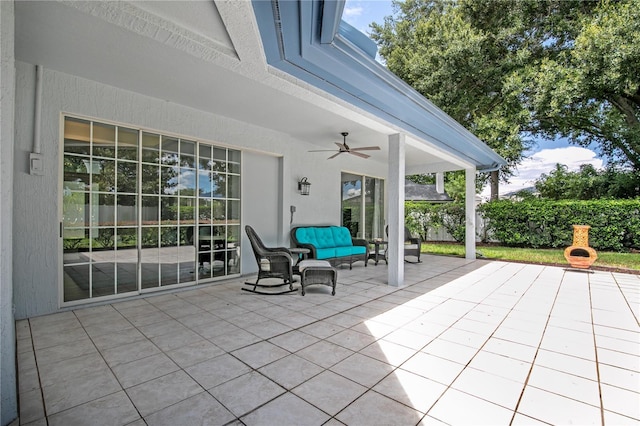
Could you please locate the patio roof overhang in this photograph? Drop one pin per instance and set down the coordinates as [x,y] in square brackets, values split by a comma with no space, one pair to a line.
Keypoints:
[215,57]
[308,40]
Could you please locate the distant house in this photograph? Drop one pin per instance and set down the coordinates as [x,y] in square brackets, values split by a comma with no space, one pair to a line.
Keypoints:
[417,192]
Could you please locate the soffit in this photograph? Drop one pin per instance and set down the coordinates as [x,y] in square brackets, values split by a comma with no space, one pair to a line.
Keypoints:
[200,54]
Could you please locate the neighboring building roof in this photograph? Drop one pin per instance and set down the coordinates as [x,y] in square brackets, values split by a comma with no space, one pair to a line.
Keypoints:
[308,40]
[417,192]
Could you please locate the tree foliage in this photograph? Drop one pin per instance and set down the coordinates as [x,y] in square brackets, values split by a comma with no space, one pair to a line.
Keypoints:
[588,183]
[506,69]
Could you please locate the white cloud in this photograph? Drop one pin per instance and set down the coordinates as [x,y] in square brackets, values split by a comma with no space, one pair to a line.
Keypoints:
[545,161]
[351,11]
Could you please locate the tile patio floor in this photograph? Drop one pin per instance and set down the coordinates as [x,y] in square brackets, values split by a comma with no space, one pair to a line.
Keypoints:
[464,342]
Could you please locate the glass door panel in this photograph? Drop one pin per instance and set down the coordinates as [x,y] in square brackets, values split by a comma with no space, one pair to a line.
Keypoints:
[143,210]
[352,204]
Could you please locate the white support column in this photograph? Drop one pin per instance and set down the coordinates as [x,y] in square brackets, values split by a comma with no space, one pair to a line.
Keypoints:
[396,209]
[440,183]
[470,212]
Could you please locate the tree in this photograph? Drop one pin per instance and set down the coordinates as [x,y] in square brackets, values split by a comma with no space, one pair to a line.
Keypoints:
[589,92]
[509,69]
[588,183]
[435,48]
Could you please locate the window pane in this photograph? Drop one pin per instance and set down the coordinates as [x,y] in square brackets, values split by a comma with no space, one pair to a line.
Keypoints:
[204,213]
[75,245]
[127,176]
[169,180]
[204,162]
[169,151]
[234,186]
[127,238]
[187,210]
[150,148]
[234,156]
[75,207]
[127,144]
[150,211]
[76,171]
[219,210]
[102,241]
[169,236]
[219,154]
[127,211]
[104,140]
[104,175]
[77,135]
[104,214]
[76,282]
[187,154]
[150,179]
[103,279]
[204,184]
[150,237]
[219,185]
[169,210]
[352,204]
[233,215]
[187,182]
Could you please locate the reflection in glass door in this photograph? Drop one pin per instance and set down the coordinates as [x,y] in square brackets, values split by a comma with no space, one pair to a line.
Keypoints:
[363,206]
[130,202]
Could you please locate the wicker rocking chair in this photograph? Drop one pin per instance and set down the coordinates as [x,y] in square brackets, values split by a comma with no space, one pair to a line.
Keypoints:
[275,262]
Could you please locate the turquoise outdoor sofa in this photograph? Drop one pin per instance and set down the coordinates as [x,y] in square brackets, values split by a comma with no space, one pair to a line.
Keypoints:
[331,243]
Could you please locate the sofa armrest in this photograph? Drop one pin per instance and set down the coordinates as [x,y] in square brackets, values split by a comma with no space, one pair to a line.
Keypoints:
[361,242]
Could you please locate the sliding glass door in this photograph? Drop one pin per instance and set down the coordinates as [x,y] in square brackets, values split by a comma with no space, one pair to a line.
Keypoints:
[142,210]
[363,205]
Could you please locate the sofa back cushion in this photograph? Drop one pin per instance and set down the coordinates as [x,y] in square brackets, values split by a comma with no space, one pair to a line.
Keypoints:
[324,237]
[341,236]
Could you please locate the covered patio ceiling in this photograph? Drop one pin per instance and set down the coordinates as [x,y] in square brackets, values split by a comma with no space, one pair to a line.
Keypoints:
[207,56]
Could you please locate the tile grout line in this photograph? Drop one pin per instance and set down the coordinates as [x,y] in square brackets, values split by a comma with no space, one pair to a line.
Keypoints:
[535,356]
[595,350]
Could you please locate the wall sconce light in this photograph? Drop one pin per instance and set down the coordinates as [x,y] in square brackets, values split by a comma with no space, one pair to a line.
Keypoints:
[303,186]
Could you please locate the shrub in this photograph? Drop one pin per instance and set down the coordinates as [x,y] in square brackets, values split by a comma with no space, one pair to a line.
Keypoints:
[615,224]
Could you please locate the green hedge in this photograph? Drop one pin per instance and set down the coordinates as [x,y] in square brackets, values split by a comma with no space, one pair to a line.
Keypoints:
[615,224]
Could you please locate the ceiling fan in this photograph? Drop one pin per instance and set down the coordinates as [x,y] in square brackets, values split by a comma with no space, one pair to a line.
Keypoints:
[343,147]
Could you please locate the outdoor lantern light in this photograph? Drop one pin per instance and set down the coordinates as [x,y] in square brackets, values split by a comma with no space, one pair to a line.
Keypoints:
[303,186]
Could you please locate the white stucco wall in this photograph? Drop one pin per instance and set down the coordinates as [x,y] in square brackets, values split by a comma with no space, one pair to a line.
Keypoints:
[37,200]
[9,400]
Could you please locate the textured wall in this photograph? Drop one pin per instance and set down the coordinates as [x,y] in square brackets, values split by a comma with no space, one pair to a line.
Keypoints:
[8,402]
[37,263]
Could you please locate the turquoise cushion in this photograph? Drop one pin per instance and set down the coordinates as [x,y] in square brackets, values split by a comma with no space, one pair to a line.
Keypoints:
[324,238]
[358,250]
[343,251]
[341,236]
[306,235]
[325,253]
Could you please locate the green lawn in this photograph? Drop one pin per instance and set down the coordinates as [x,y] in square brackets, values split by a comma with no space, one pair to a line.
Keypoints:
[549,256]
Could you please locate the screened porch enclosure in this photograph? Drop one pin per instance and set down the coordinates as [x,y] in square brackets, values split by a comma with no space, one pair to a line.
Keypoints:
[143,210]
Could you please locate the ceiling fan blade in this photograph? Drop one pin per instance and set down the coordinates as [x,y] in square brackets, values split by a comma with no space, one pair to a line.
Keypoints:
[335,155]
[366,148]
[343,147]
[358,154]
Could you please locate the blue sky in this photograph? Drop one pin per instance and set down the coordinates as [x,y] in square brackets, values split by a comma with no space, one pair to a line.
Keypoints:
[541,159]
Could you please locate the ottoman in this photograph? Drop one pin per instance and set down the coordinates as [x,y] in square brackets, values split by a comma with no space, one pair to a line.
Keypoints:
[314,271]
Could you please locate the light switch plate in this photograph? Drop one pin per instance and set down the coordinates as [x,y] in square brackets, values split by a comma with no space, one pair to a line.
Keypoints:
[36,164]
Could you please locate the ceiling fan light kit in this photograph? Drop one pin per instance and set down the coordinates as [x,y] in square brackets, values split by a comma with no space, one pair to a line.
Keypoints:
[343,147]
